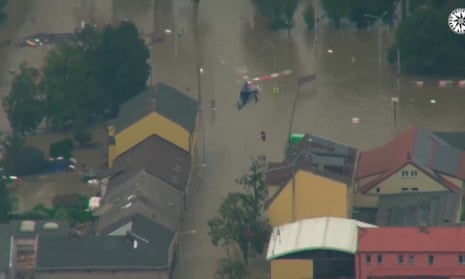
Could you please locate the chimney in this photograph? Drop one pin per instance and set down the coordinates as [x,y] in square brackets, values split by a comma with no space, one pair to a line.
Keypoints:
[423,227]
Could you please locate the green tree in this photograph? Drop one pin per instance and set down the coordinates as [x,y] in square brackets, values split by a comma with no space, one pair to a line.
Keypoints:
[23,105]
[3,14]
[254,183]
[8,201]
[425,54]
[236,222]
[121,60]
[21,159]
[309,17]
[355,10]
[280,13]
[231,268]
[69,86]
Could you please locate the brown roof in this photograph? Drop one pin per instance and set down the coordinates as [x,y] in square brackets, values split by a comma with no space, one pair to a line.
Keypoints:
[325,157]
[416,146]
[143,194]
[157,157]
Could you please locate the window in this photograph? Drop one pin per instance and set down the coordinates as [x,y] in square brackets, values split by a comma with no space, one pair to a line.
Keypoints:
[461,259]
[414,189]
[400,259]
[379,259]
[430,259]
[404,174]
[411,259]
[368,259]
[378,190]
[414,174]
[404,189]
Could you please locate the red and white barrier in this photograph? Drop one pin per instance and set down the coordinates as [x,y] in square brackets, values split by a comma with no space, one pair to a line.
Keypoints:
[441,83]
[273,75]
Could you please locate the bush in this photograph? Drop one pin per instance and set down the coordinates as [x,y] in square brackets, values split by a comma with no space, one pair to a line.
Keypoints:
[62,148]
[74,201]
[309,17]
[22,160]
[83,137]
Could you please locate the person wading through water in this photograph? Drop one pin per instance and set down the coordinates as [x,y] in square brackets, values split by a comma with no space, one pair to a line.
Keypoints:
[263,135]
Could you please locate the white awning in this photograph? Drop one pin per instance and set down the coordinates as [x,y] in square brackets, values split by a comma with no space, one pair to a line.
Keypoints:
[326,233]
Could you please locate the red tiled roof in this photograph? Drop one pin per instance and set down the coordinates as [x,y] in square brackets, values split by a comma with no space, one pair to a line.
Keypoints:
[412,239]
[389,157]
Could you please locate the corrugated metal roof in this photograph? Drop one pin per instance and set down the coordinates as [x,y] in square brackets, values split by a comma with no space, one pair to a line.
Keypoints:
[325,233]
[411,209]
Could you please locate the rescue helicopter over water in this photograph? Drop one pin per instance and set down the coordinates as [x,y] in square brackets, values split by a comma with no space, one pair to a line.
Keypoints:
[248,93]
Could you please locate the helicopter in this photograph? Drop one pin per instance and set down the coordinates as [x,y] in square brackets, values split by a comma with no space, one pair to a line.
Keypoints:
[248,93]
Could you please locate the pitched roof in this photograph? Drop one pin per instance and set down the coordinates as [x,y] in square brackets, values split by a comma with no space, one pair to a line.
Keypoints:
[161,98]
[90,252]
[320,155]
[454,139]
[416,146]
[412,239]
[411,209]
[13,228]
[143,194]
[325,233]
[157,157]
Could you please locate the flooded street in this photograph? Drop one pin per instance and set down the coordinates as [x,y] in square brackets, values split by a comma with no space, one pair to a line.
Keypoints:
[228,41]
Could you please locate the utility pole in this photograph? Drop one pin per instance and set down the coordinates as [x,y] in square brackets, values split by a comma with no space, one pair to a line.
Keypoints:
[379,20]
[201,116]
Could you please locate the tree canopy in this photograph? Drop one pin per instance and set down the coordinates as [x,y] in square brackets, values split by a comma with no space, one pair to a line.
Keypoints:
[8,201]
[23,105]
[239,216]
[279,13]
[421,52]
[121,59]
[70,89]
[355,11]
[82,80]
[231,268]
[3,14]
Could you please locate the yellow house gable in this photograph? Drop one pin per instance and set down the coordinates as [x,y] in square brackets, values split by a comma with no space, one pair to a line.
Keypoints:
[151,124]
[315,196]
[407,179]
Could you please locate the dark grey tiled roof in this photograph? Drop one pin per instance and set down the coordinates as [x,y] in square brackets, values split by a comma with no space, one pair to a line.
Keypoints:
[411,209]
[13,229]
[434,154]
[454,139]
[325,157]
[143,194]
[63,252]
[165,100]
[158,157]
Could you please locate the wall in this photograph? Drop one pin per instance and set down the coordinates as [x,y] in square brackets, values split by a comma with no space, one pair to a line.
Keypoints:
[291,269]
[394,183]
[445,264]
[453,180]
[147,126]
[164,274]
[316,196]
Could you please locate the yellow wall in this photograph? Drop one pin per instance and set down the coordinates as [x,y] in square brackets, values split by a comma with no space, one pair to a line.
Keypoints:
[151,124]
[454,180]
[291,269]
[316,196]
[395,182]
